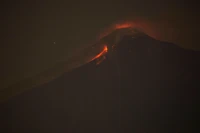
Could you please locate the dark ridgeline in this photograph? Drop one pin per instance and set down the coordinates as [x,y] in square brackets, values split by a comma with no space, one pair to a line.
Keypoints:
[148,86]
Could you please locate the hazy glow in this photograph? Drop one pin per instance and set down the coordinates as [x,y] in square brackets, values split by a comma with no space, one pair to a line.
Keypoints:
[143,26]
[117,26]
[124,25]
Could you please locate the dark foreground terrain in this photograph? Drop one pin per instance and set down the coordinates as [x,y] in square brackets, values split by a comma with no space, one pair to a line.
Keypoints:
[146,87]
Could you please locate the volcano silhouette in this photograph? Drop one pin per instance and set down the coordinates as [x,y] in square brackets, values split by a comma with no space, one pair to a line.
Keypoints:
[143,85]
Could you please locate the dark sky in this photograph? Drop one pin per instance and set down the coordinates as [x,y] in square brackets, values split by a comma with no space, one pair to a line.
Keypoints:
[36,35]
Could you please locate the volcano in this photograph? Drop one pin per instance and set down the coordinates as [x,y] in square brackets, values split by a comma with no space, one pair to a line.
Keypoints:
[141,85]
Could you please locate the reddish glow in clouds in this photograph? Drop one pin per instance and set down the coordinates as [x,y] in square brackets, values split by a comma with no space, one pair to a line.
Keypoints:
[122,26]
[117,26]
[144,26]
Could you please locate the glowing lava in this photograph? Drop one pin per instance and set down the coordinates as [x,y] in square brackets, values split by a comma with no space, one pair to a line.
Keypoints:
[103,52]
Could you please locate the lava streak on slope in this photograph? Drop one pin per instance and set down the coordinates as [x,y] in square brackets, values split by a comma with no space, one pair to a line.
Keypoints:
[101,54]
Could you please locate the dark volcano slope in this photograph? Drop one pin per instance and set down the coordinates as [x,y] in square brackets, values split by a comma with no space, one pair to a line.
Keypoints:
[147,86]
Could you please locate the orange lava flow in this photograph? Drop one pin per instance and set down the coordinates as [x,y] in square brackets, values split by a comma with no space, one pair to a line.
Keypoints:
[105,50]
